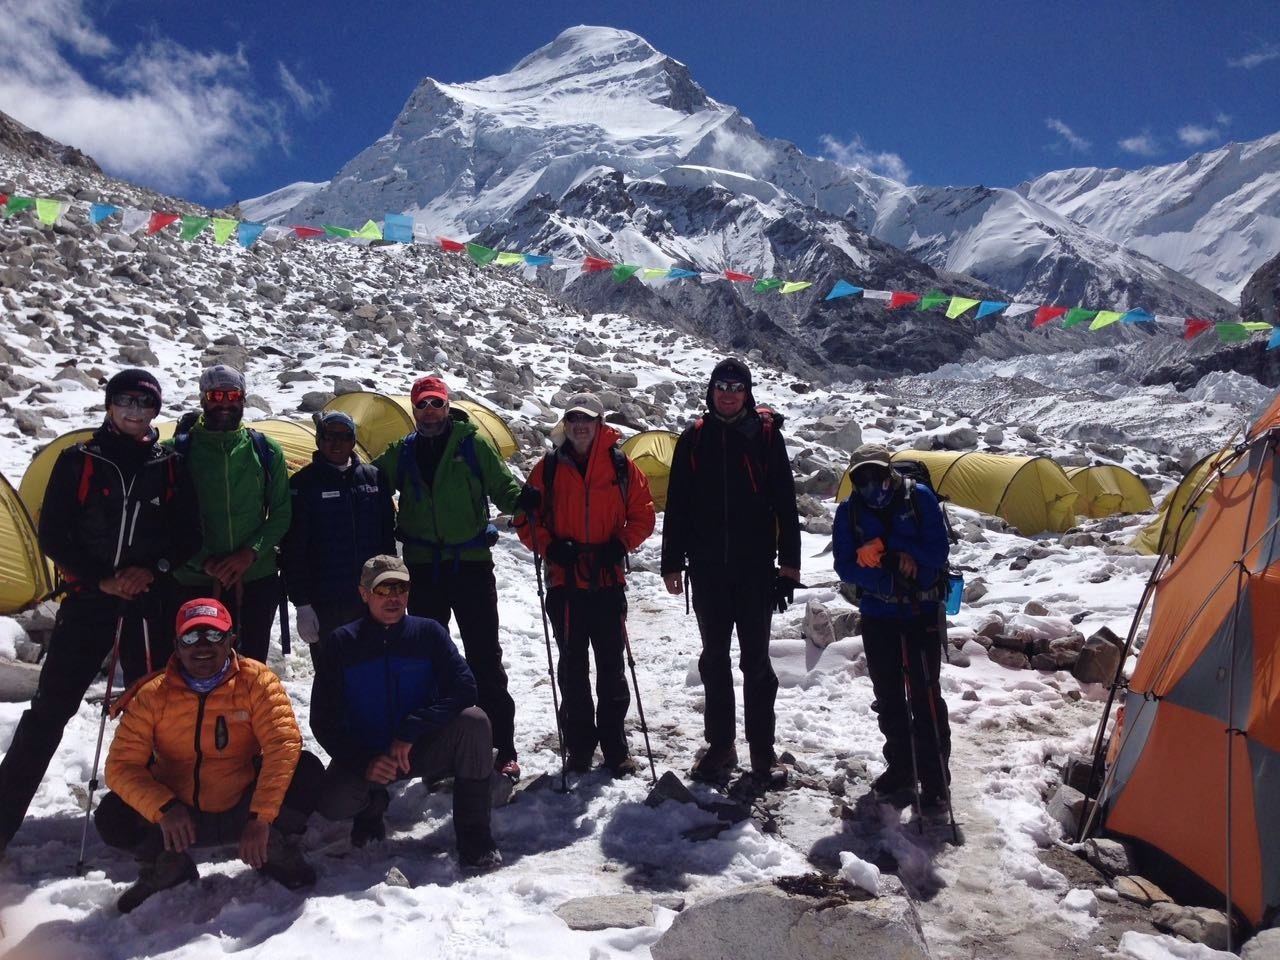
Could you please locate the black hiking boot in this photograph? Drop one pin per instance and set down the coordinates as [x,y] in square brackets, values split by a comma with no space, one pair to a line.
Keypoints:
[715,764]
[368,825]
[894,787]
[472,802]
[285,863]
[170,869]
[766,769]
[580,762]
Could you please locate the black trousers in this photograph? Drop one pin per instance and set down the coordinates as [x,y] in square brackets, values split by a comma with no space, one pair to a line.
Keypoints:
[335,615]
[124,828]
[83,635]
[724,599]
[468,591]
[885,639]
[253,607]
[591,620]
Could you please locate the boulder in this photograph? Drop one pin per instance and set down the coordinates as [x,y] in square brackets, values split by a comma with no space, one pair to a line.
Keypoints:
[961,438]
[1109,856]
[1198,924]
[314,400]
[818,629]
[1140,890]
[825,919]
[1098,662]
[1265,946]
[1066,806]
[618,911]
[1011,659]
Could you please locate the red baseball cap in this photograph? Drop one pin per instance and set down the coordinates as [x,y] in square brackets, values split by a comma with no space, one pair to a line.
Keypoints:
[202,612]
[428,387]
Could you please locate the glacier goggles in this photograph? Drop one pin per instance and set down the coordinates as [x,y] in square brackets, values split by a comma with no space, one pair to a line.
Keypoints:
[730,386]
[224,396]
[202,634]
[436,402]
[390,588]
[871,479]
[134,400]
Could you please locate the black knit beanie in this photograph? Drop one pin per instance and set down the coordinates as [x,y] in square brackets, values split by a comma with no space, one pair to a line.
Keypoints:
[134,379]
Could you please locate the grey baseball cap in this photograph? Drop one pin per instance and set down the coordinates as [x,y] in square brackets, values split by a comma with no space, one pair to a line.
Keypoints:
[381,568]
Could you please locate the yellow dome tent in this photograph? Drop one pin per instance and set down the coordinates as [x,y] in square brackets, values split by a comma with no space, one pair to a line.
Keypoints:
[380,419]
[652,451]
[1032,493]
[24,575]
[1180,508]
[1106,489]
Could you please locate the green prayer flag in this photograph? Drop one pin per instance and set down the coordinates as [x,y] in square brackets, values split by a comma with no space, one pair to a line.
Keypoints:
[958,306]
[507,257]
[932,299]
[481,255]
[191,227]
[624,271]
[767,283]
[1078,315]
[333,231]
[1104,318]
[1232,332]
[49,210]
[370,231]
[791,286]
[15,204]
[223,228]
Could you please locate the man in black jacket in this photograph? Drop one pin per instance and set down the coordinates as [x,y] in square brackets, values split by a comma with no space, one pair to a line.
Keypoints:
[119,514]
[342,515]
[731,510]
[393,698]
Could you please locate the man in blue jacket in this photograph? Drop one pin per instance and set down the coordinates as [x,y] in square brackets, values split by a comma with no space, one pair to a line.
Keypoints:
[393,698]
[342,516]
[890,542]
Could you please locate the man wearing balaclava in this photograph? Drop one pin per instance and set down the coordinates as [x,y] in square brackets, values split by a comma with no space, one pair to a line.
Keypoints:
[731,513]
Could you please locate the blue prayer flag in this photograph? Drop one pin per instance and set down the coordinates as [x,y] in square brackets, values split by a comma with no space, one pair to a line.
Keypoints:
[537,259]
[843,288]
[246,233]
[680,273]
[1137,315]
[100,211]
[988,307]
[1275,338]
[398,228]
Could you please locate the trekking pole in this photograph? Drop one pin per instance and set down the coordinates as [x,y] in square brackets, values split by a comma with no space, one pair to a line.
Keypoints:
[935,694]
[644,727]
[911,730]
[285,644]
[102,727]
[551,667]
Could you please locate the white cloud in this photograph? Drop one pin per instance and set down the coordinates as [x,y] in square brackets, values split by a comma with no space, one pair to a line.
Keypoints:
[1069,136]
[855,153]
[307,101]
[1143,144]
[164,115]
[1195,135]
[1265,53]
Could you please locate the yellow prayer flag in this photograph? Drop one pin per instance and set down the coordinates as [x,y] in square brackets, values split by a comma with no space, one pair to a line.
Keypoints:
[791,286]
[223,228]
[1105,317]
[959,305]
[50,211]
[507,257]
[370,231]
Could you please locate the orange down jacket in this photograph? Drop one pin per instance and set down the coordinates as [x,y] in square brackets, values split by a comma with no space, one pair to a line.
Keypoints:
[589,509]
[204,745]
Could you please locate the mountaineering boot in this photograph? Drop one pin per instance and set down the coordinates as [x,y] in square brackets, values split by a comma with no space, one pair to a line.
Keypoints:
[716,764]
[766,769]
[368,825]
[170,869]
[285,863]
[894,786]
[509,767]
[580,762]
[472,802]
[625,767]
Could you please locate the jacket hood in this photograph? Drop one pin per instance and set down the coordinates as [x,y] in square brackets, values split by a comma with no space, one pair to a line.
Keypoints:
[730,368]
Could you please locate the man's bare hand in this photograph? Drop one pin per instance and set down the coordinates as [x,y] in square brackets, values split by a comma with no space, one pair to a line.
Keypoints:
[178,828]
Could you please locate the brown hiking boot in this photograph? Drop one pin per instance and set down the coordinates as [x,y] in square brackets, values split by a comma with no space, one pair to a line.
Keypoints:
[766,769]
[285,863]
[170,869]
[625,767]
[716,764]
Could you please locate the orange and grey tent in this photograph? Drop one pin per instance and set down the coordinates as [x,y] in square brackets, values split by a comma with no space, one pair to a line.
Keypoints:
[652,451]
[25,578]
[1107,489]
[1197,768]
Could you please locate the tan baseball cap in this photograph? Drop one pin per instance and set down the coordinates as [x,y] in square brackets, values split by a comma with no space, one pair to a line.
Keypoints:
[381,568]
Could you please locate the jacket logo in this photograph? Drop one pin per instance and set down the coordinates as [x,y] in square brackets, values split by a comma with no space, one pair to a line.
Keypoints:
[155,501]
[330,494]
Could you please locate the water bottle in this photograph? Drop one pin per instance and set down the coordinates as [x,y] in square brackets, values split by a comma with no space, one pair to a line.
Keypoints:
[955,590]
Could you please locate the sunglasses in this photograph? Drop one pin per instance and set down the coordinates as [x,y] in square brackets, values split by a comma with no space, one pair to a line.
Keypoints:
[128,401]
[730,386]
[199,634]
[436,402]
[338,436]
[223,396]
[578,417]
[390,588]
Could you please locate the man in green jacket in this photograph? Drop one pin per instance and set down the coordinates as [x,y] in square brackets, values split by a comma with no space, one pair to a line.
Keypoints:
[446,472]
[243,485]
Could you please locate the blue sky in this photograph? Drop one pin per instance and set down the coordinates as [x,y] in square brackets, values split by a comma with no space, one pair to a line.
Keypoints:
[226,99]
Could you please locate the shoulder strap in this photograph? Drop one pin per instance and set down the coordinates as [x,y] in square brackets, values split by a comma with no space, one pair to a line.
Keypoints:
[620,472]
[697,438]
[86,476]
[467,447]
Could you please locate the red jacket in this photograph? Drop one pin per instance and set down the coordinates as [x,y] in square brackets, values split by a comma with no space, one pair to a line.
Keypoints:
[588,507]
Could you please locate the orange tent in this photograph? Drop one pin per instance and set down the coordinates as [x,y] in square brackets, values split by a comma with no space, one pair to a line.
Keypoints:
[1197,770]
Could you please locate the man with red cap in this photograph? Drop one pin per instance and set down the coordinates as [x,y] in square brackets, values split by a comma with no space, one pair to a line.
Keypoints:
[446,472]
[119,515]
[208,752]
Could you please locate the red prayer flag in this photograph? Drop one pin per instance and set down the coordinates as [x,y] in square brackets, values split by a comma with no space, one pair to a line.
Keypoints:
[739,277]
[1194,325]
[455,245]
[1045,314]
[160,220]
[592,264]
[4,198]
[303,232]
[899,298]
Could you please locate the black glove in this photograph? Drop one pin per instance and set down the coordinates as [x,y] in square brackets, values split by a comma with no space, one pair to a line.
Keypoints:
[563,552]
[611,553]
[784,592]
[530,498]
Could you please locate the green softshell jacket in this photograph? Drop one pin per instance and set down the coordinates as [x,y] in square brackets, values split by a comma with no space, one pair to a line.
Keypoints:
[235,510]
[434,518]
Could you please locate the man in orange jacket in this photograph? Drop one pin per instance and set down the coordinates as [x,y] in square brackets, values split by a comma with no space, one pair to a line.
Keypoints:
[595,508]
[208,752]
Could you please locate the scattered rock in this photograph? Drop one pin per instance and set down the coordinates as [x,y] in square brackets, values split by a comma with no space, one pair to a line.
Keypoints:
[1109,856]
[618,911]
[818,627]
[1265,946]
[1066,806]
[1198,924]
[1140,890]
[1098,662]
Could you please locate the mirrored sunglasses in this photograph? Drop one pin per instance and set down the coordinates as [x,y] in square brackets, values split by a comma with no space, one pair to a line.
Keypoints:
[391,588]
[730,386]
[205,634]
[578,417]
[436,402]
[132,401]
[223,396]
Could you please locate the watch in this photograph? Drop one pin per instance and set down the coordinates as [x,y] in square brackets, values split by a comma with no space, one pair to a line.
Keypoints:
[162,565]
